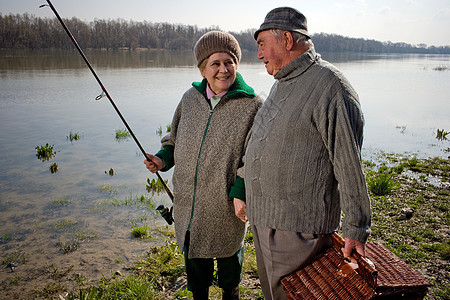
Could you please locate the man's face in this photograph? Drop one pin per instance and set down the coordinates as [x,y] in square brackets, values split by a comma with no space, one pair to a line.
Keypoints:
[272,51]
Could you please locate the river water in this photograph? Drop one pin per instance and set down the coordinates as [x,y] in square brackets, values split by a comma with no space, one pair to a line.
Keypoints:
[74,225]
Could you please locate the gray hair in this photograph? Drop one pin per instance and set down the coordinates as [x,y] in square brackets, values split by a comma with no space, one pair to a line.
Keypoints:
[298,37]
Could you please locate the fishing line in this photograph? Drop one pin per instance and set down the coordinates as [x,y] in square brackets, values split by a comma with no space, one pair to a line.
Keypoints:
[104,93]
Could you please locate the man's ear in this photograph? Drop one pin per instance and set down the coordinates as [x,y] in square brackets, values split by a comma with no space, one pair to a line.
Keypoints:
[289,40]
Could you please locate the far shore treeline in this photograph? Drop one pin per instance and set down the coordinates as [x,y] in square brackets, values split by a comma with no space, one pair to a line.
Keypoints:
[29,32]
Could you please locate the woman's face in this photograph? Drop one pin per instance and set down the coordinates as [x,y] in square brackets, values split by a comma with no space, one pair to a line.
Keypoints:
[220,71]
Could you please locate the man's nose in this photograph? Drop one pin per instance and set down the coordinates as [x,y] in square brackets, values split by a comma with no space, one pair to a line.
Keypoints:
[259,55]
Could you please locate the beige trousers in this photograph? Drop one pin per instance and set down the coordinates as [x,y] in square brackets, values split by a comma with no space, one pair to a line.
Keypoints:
[279,253]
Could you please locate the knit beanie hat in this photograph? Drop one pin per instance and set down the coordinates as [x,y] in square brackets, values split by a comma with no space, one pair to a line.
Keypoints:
[216,41]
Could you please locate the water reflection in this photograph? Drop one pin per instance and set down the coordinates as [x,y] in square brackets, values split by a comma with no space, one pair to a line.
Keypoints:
[116,59]
[70,59]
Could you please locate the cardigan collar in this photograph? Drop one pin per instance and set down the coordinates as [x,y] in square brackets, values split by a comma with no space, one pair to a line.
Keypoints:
[238,89]
[299,65]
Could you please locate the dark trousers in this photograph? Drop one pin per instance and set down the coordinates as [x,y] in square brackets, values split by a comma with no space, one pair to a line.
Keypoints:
[200,270]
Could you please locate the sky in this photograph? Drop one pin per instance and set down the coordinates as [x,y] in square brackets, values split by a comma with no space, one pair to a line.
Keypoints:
[410,21]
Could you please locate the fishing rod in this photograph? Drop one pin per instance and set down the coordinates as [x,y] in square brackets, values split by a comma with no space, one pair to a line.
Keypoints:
[165,212]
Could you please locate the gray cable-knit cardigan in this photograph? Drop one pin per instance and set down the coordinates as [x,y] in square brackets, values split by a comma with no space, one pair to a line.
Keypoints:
[303,160]
[208,148]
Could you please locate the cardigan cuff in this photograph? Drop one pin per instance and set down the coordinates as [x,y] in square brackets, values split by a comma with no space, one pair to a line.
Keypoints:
[166,154]
[238,189]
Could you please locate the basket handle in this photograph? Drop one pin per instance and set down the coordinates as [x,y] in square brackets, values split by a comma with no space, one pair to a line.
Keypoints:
[366,269]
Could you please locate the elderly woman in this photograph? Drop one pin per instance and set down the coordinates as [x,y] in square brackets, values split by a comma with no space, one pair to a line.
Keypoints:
[206,145]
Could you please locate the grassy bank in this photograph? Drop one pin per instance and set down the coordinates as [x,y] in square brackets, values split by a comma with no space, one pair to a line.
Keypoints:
[410,203]
[412,220]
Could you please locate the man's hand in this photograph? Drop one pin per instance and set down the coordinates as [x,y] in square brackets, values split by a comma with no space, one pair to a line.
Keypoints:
[153,163]
[240,209]
[353,244]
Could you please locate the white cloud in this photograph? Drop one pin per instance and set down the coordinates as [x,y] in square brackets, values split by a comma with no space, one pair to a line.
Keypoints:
[385,11]
[442,15]
[411,2]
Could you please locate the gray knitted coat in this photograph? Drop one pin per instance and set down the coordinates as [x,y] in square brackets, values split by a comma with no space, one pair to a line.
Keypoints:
[208,148]
[303,161]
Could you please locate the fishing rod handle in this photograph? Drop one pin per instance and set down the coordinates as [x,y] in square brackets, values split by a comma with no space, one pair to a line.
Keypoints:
[168,191]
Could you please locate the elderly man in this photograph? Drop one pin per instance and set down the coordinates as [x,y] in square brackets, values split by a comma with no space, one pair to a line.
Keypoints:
[303,161]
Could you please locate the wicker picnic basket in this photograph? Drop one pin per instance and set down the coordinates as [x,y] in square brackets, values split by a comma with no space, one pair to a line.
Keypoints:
[328,276]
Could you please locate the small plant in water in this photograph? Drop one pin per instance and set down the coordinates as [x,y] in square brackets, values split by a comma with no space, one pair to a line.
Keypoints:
[5,238]
[140,201]
[65,224]
[159,131]
[441,134]
[68,247]
[73,136]
[401,128]
[108,188]
[53,168]
[139,232]
[155,185]
[441,68]
[59,202]
[122,134]
[13,258]
[45,153]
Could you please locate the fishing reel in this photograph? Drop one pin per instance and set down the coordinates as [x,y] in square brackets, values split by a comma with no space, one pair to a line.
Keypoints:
[166,213]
